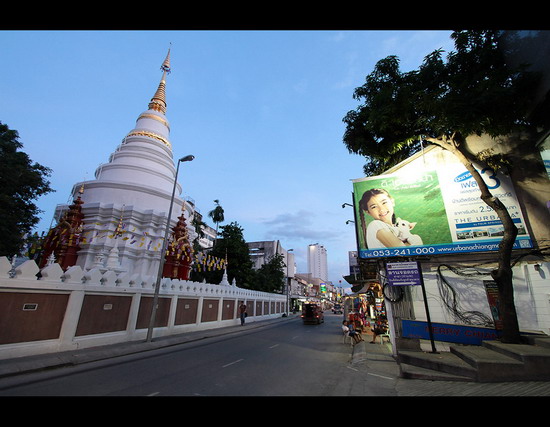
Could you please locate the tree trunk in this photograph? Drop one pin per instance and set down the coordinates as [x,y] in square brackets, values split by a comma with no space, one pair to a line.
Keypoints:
[503,273]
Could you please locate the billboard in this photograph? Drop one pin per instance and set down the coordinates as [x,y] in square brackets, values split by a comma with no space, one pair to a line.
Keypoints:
[432,212]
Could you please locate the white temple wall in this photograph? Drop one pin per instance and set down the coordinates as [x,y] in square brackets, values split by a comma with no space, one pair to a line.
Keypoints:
[80,309]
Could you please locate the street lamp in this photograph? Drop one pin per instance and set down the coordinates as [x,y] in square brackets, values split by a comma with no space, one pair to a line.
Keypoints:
[163,250]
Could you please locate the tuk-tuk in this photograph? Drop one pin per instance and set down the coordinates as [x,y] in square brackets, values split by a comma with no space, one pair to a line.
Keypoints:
[312,313]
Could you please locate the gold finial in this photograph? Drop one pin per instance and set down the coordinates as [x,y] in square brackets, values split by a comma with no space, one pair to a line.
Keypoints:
[166,64]
[158,102]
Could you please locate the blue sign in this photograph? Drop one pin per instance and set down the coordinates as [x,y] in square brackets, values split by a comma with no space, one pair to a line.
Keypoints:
[463,334]
[403,273]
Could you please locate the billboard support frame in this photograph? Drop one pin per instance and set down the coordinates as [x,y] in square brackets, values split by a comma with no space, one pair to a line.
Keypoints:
[430,329]
[417,275]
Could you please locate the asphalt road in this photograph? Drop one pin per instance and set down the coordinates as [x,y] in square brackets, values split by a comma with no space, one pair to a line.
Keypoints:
[283,359]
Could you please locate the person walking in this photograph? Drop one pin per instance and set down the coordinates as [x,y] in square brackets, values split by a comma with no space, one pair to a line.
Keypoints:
[243,313]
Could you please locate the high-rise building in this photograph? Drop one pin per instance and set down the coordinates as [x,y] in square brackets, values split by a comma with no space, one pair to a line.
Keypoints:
[317,261]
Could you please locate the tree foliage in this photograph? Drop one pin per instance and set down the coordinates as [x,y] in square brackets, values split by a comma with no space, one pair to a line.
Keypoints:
[217,214]
[22,181]
[270,277]
[476,91]
[231,246]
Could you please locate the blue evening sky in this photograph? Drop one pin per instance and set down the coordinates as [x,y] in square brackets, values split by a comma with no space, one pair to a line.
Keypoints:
[261,111]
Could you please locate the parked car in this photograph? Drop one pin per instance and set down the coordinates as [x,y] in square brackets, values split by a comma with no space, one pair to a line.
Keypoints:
[337,309]
[312,313]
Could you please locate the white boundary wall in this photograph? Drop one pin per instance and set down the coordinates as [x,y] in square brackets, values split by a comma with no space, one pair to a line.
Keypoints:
[78,283]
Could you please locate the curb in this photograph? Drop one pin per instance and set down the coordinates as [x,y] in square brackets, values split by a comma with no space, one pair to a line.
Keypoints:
[41,362]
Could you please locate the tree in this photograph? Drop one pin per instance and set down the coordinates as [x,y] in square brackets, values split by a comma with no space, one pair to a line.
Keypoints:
[476,92]
[232,246]
[270,277]
[198,225]
[217,214]
[21,183]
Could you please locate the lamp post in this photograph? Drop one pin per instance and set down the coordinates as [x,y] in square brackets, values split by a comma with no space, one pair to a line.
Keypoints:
[163,250]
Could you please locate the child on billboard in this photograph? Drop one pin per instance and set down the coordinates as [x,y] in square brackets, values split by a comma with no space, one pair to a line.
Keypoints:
[385,231]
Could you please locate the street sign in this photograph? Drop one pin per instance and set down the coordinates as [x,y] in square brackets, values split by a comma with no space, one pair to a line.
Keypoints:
[403,273]
[410,274]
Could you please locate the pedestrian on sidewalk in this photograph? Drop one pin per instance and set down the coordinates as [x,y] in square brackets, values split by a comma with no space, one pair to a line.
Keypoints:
[243,313]
[348,329]
[380,326]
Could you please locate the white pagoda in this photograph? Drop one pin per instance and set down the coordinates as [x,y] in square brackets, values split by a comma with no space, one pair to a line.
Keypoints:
[126,205]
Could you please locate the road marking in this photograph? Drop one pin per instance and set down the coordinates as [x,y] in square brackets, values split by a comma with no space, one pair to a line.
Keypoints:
[273,346]
[232,363]
[381,376]
[154,394]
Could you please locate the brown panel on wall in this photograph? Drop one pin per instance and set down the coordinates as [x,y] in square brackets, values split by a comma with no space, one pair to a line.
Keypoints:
[250,308]
[228,309]
[258,308]
[145,309]
[266,307]
[186,311]
[31,316]
[103,313]
[210,310]
[273,307]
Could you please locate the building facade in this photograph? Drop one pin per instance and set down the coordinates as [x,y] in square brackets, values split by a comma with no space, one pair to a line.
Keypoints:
[317,261]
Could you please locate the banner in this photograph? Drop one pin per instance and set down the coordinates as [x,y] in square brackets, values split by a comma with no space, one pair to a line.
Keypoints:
[491,289]
[463,334]
[428,212]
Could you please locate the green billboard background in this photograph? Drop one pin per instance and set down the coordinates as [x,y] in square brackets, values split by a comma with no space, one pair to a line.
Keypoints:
[417,199]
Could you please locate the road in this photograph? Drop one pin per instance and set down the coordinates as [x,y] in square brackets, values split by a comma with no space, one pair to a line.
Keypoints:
[283,359]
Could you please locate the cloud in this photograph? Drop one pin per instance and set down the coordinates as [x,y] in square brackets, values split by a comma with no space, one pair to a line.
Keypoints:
[297,226]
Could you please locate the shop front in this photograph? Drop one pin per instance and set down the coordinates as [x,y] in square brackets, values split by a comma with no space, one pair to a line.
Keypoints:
[366,310]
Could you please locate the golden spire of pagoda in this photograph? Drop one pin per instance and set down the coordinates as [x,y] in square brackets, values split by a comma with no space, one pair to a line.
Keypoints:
[158,102]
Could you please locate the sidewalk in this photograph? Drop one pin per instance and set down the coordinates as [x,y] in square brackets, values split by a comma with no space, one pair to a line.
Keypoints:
[27,364]
[365,350]
[378,360]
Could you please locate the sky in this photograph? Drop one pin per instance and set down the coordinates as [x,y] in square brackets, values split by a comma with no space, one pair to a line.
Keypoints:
[260,110]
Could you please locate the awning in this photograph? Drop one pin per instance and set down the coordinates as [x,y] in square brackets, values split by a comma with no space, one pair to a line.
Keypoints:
[362,287]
